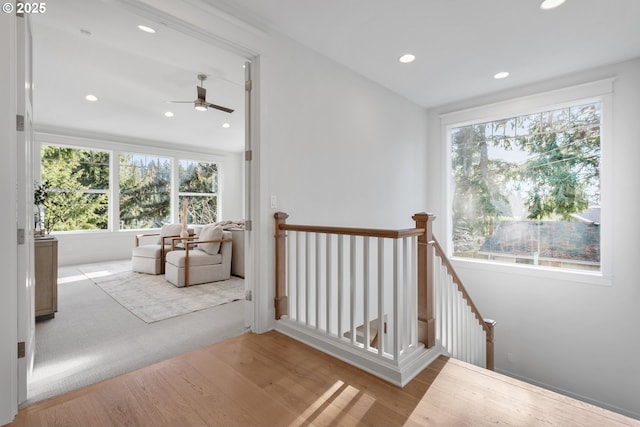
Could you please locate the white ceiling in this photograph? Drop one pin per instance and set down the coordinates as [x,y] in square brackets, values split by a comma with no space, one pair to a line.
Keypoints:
[459,44]
[133,74]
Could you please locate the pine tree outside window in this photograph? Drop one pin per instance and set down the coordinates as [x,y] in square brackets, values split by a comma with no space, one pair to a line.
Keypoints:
[145,190]
[75,182]
[526,189]
[198,186]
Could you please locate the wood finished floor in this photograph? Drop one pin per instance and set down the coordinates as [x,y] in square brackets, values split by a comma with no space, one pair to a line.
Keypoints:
[272,380]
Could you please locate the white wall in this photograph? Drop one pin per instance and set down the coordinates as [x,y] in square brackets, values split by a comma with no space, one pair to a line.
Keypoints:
[583,340]
[336,149]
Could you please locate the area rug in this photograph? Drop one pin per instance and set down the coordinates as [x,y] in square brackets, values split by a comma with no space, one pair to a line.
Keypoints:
[152,298]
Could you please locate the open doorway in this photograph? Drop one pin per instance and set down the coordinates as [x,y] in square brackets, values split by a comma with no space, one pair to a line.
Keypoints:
[82,45]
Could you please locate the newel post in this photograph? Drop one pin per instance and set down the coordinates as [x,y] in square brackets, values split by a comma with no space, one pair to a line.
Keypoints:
[426,320]
[280,300]
[491,324]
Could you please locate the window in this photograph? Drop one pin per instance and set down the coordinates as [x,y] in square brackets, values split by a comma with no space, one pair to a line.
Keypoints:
[198,186]
[75,185]
[93,188]
[526,188]
[145,191]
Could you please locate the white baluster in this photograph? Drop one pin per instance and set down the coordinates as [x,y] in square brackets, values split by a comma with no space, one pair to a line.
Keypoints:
[352,288]
[298,277]
[396,300]
[413,317]
[318,274]
[404,305]
[340,284]
[328,284]
[381,340]
[365,290]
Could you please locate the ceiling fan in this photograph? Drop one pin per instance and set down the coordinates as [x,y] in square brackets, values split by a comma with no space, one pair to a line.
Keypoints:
[201,103]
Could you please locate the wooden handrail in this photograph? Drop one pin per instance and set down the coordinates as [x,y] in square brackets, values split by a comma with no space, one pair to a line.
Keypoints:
[348,231]
[425,268]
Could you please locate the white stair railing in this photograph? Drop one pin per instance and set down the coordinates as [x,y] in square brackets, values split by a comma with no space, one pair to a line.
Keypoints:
[460,328]
[359,289]
[352,292]
[379,299]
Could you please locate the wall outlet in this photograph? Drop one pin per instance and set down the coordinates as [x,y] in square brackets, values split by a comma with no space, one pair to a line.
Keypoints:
[274,202]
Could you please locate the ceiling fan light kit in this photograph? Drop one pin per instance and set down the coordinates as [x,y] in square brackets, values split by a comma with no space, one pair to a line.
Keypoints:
[201,104]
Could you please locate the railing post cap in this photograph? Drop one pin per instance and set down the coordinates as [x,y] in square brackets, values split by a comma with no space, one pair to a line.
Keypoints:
[280,215]
[490,322]
[423,216]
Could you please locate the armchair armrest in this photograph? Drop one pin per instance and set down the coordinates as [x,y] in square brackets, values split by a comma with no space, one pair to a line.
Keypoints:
[196,242]
[176,239]
[139,236]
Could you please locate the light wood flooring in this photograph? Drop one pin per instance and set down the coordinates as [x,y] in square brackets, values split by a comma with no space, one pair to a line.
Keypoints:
[272,380]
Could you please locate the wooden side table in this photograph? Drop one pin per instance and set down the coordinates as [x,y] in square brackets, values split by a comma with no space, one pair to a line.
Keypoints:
[46,277]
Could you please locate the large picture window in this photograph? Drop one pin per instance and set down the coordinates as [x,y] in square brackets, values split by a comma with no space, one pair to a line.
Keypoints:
[145,191]
[75,186]
[82,188]
[526,189]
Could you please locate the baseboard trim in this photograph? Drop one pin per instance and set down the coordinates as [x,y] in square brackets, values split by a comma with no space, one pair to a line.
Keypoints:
[397,373]
[595,402]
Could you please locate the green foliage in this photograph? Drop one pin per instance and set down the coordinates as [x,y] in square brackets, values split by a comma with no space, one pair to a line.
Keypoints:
[555,165]
[73,193]
[145,191]
[198,184]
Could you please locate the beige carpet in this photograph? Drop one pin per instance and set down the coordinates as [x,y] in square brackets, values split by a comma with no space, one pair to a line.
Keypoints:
[152,298]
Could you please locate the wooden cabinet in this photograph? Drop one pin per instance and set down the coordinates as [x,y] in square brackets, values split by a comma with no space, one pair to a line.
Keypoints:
[46,272]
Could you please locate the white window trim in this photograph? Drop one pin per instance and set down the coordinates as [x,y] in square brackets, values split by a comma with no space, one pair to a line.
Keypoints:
[115,148]
[602,91]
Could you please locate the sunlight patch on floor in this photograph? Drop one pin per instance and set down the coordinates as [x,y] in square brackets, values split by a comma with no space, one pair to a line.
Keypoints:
[64,368]
[337,402]
[71,279]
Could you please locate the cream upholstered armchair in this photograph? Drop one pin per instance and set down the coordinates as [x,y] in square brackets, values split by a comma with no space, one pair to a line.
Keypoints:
[149,253]
[204,259]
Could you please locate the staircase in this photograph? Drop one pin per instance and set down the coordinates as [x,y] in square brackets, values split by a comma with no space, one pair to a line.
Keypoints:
[386,301]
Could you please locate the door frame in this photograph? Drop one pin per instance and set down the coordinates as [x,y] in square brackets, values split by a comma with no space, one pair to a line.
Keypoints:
[8,220]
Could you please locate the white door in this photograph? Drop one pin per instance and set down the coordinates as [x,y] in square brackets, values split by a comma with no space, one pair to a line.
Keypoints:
[24,208]
[8,220]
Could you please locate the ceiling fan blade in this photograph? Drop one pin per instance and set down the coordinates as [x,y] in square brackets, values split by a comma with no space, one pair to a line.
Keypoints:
[217,107]
[202,93]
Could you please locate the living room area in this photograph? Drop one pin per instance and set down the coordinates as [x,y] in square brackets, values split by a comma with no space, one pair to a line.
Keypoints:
[118,153]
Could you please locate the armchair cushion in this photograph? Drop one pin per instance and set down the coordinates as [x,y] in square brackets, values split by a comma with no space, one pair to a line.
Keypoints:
[210,232]
[169,230]
[196,258]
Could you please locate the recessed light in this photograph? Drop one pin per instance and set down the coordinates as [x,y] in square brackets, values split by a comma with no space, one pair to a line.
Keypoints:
[501,75]
[146,29]
[407,58]
[91,98]
[168,114]
[550,4]
[226,125]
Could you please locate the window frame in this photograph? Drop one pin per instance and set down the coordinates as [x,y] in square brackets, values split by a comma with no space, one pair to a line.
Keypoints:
[108,192]
[114,148]
[215,194]
[597,91]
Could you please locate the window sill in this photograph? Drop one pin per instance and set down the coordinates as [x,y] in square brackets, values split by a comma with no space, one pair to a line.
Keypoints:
[543,273]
